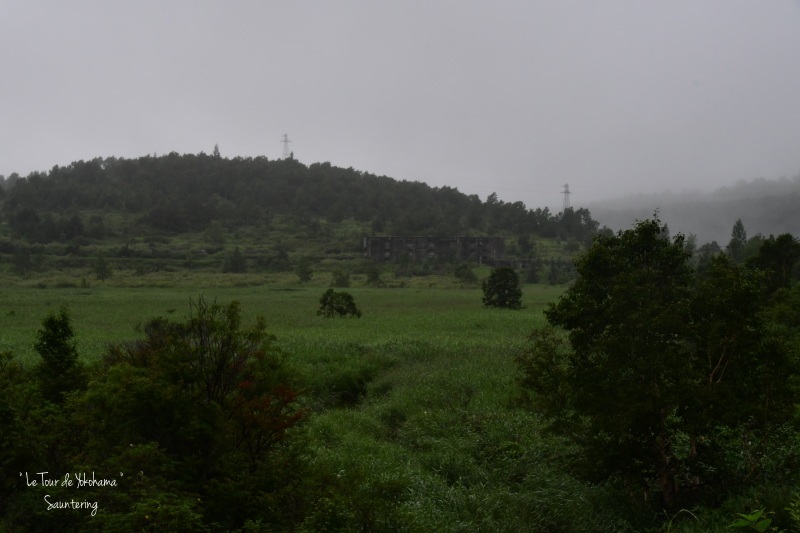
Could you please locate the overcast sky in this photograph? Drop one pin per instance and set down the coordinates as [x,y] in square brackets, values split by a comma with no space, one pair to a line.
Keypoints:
[519,97]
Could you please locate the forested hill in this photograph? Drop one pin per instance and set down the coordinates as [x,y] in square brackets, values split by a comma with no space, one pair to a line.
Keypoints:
[764,206]
[187,193]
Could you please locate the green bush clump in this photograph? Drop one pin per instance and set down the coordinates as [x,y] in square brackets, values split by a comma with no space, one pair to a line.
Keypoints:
[501,289]
[333,304]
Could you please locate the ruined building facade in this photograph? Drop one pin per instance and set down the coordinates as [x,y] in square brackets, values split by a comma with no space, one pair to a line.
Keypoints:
[479,250]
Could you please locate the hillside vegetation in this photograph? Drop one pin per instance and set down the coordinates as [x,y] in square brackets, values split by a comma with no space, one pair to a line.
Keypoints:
[197,211]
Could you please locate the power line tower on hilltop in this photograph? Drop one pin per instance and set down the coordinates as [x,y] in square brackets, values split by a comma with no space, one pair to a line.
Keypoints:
[566,196]
[286,141]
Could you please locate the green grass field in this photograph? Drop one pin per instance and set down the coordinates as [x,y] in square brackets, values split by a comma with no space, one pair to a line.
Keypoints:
[413,424]
[410,404]
[106,313]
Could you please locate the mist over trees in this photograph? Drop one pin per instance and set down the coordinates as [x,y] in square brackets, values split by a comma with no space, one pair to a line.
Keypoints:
[765,207]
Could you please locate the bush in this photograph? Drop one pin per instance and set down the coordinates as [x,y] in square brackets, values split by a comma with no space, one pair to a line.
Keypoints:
[303,270]
[102,270]
[335,303]
[374,274]
[502,289]
[341,278]
[465,274]
[235,262]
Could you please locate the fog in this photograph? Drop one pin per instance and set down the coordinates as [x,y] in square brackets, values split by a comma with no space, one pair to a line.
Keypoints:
[514,97]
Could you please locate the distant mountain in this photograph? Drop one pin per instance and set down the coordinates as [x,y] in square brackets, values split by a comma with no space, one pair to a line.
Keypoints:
[765,207]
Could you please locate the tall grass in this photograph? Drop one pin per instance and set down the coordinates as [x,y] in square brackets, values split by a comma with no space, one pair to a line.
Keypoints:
[412,426]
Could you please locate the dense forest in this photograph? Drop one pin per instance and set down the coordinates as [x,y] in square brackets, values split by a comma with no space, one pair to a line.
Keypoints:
[195,211]
[184,193]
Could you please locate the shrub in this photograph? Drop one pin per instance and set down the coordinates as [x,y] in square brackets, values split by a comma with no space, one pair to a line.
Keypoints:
[501,289]
[303,270]
[334,303]
[341,278]
[465,274]
[235,262]
[374,274]
[102,270]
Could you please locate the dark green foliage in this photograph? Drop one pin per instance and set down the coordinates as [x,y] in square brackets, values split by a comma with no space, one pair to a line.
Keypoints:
[737,242]
[374,274]
[501,289]
[341,278]
[214,233]
[705,255]
[303,270]
[532,272]
[333,304]
[59,370]
[22,263]
[179,193]
[465,274]
[280,261]
[205,405]
[192,421]
[235,262]
[560,271]
[102,270]
[778,257]
[669,384]
[17,399]
[177,211]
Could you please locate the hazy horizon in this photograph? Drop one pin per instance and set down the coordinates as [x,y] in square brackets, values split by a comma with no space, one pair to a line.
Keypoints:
[511,97]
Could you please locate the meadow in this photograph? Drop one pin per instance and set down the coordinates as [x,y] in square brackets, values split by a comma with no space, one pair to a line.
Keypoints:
[414,423]
[433,309]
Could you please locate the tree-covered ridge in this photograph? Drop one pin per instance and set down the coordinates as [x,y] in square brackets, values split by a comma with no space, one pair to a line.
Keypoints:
[180,193]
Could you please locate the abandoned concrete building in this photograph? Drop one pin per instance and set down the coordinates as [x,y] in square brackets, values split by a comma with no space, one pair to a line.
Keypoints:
[480,250]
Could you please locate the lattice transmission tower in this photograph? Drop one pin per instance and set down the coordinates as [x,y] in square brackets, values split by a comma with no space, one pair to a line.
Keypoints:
[286,141]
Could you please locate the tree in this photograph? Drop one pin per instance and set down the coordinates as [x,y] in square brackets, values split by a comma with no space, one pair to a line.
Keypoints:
[532,271]
[705,255]
[341,278]
[373,274]
[501,289]
[778,257]
[303,270]
[465,274]
[102,270]
[737,242]
[203,405]
[333,304]
[235,262]
[59,369]
[661,367]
